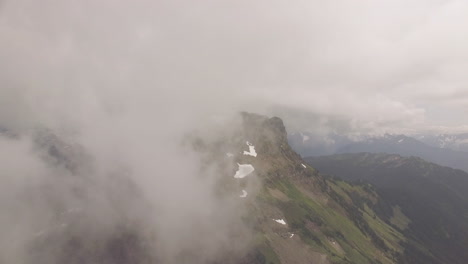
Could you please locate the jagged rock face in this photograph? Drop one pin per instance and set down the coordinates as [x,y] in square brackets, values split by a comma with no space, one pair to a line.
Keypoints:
[270,133]
[270,138]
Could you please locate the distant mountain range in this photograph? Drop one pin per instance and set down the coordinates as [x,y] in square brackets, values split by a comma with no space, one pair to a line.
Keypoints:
[309,144]
[447,141]
[438,149]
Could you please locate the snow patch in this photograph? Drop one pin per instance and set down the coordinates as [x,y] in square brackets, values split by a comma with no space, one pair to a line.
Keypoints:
[251,151]
[244,194]
[303,165]
[291,235]
[280,221]
[304,138]
[244,170]
[401,140]
[229,155]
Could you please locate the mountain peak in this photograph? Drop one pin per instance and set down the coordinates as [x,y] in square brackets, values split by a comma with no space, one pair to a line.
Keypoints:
[257,125]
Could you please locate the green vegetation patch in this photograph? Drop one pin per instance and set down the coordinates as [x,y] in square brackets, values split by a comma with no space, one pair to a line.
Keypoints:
[399,219]
[264,253]
[318,223]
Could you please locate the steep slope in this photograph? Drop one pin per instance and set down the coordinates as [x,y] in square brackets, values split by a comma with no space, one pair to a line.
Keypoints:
[427,202]
[300,216]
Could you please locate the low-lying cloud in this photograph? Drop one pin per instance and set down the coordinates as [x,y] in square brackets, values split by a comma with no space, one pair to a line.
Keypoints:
[124,81]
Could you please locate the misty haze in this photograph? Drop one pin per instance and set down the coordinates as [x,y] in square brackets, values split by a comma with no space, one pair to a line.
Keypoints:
[243,132]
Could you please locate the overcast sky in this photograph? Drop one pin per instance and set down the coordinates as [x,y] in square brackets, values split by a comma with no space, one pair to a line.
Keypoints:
[396,65]
[125,80]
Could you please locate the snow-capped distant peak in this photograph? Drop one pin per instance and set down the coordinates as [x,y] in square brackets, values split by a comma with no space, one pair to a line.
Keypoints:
[280,221]
[244,194]
[251,151]
[244,170]
[401,140]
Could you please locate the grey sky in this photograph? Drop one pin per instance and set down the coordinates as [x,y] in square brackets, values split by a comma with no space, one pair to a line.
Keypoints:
[382,65]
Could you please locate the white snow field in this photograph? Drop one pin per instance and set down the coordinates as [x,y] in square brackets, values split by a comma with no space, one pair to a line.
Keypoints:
[251,151]
[244,170]
[280,221]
